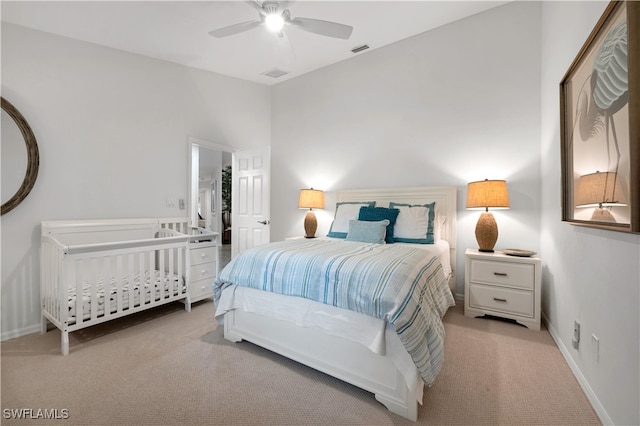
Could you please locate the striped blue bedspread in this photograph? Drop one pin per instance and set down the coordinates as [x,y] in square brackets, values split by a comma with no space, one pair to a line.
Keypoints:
[402,285]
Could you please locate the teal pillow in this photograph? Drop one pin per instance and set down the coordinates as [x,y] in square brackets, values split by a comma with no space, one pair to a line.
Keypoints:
[373,214]
[367,232]
[346,211]
[421,228]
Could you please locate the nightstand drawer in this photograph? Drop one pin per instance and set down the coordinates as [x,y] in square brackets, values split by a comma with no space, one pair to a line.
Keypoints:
[202,271]
[201,289]
[499,299]
[203,255]
[503,273]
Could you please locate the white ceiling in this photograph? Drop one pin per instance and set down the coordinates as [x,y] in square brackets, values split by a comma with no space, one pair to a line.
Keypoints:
[177,31]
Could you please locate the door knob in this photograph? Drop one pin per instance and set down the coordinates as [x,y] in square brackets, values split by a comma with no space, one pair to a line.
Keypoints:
[264,222]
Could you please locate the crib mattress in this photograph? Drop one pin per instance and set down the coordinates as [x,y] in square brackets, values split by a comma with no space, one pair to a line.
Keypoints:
[146,286]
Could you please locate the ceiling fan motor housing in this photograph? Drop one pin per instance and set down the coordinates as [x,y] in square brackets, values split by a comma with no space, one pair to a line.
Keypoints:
[270,7]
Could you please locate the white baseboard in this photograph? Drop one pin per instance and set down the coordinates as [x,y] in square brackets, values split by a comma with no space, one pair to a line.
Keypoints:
[584,384]
[12,334]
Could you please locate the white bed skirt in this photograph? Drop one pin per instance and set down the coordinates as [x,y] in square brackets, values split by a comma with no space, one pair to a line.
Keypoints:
[374,334]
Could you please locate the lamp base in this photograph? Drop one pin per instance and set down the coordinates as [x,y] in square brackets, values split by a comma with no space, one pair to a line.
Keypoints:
[310,224]
[486,232]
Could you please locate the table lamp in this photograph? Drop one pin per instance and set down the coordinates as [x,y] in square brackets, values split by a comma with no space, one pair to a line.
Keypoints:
[484,194]
[600,190]
[311,199]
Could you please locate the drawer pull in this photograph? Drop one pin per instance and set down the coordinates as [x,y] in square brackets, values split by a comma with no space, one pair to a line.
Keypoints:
[500,274]
[500,300]
[203,255]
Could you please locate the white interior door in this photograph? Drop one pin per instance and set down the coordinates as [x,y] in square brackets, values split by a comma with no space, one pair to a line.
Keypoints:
[250,199]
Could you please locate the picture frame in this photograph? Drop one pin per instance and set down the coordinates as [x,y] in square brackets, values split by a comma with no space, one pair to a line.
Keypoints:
[600,125]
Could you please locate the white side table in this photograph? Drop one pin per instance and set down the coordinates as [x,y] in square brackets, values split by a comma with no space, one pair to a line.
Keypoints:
[203,264]
[503,286]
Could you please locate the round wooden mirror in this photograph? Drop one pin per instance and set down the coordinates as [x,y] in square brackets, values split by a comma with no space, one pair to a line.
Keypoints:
[19,169]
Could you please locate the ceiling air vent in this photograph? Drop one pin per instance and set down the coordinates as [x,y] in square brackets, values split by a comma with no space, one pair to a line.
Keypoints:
[359,48]
[275,73]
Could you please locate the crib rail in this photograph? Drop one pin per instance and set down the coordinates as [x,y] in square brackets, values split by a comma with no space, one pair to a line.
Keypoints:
[125,245]
[87,284]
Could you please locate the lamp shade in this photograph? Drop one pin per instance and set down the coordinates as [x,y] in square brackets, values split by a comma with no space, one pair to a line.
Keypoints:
[487,193]
[311,199]
[599,189]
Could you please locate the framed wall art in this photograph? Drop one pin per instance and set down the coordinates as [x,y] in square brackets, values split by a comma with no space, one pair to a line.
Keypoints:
[600,125]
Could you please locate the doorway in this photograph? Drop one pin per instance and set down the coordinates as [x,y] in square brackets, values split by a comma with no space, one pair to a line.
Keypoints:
[207,208]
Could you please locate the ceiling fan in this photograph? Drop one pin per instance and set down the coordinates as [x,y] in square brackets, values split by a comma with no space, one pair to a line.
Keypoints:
[275,15]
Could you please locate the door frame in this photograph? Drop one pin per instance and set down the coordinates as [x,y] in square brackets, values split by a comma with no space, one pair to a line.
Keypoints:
[192,189]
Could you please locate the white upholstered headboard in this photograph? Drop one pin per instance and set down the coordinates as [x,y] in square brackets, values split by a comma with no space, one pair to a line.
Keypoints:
[446,205]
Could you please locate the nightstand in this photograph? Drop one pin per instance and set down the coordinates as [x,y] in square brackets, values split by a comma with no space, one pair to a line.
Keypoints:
[203,264]
[503,286]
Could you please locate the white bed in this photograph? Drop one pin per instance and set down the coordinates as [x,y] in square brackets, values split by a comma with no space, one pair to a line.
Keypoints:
[359,349]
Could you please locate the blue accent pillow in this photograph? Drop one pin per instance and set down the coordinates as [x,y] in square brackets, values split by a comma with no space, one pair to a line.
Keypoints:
[346,211]
[374,214]
[367,232]
[421,228]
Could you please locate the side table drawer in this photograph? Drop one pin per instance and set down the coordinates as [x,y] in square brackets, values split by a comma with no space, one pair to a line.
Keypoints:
[203,255]
[503,273]
[498,299]
[201,289]
[202,271]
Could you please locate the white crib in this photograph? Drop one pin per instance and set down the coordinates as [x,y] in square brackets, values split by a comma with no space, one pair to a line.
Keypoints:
[93,271]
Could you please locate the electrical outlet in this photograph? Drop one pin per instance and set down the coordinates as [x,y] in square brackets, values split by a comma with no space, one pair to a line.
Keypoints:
[596,346]
[576,335]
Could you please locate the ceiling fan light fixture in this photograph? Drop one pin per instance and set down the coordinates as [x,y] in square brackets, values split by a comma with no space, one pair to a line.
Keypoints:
[274,22]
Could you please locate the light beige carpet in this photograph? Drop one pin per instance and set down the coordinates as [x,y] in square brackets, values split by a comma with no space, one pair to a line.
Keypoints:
[167,366]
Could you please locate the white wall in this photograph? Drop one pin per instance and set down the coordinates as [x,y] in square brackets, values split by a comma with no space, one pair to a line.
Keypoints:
[112,129]
[453,105]
[590,275]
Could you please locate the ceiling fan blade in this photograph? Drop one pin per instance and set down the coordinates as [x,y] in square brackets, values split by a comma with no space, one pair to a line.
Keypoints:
[235,29]
[325,28]
[257,6]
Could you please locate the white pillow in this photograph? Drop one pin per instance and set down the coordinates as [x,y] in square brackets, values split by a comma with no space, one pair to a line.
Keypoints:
[344,213]
[412,222]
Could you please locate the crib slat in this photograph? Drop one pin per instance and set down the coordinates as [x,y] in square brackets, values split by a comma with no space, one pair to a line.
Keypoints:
[93,270]
[181,255]
[107,273]
[171,272]
[63,286]
[78,280]
[161,275]
[142,267]
[118,277]
[130,263]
